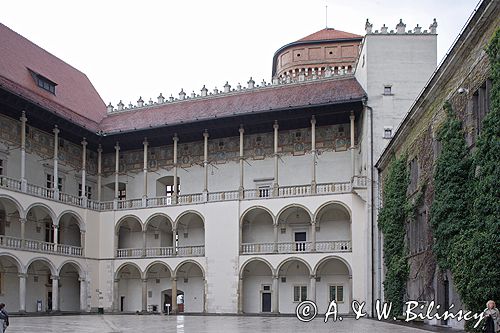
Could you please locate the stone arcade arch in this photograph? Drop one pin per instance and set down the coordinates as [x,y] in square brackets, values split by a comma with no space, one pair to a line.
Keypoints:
[71,232]
[190,228]
[70,287]
[258,231]
[42,286]
[256,289]
[190,278]
[129,239]
[333,220]
[294,284]
[128,286]
[159,236]
[40,227]
[334,281]
[159,287]
[10,275]
[295,229]
[10,222]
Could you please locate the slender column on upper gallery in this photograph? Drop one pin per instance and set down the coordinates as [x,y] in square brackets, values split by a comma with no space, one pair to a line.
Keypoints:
[24,182]
[84,173]
[313,154]
[205,164]
[176,184]
[275,182]
[99,172]
[145,173]
[55,180]
[117,170]
[351,148]
[242,159]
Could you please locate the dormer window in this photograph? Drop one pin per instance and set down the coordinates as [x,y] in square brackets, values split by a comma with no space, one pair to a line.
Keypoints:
[44,83]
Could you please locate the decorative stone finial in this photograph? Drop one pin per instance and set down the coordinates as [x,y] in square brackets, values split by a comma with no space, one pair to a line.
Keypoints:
[193,94]
[171,98]
[161,99]
[130,105]
[263,83]
[288,78]
[368,27]
[275,81]
[111,108]
[182,95]
[302,75]
[251,83]
[328,71]
[204,91]
[314,74]
[151,101]
[433,27]
[216,91]
[400,27]
[417,29]
[140,102]
[120,105]
[238,86]
[227,87]
[383,30]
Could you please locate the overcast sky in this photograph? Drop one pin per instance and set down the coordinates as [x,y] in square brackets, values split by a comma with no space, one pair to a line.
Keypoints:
[141,48]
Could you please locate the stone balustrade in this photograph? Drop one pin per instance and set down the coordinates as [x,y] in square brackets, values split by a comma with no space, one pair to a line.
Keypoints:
[294,247]
[357,182]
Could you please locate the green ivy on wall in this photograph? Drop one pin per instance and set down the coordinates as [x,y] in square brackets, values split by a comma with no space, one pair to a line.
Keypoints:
[392,219]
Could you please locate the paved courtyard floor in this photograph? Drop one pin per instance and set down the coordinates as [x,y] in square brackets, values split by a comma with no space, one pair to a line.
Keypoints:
[196,324]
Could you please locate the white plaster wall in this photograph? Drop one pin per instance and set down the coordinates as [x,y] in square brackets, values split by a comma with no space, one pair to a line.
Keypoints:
[36,291]
[193,293]
[286,303]
[252,296]
[10,291]
[131,288]
[69,293]
[156,290]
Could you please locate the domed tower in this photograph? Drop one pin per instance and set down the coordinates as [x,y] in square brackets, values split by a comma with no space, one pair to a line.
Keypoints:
[314,54]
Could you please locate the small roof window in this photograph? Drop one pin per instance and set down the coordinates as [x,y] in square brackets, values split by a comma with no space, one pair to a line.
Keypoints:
[44,83]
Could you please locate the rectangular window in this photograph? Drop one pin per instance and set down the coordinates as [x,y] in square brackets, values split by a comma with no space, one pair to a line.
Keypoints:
[387,132]
[264,191]
[45,84]
[50,182]
[337,293]
[299,293]
[88,191]
[413,176]
[1,167]
[122,194]
[387,90]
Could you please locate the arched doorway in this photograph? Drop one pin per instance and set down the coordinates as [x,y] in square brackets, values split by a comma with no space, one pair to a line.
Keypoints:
[257,231]
[257,287]
[294,284]
[190,281]
[69,287]
[129,295]
[334,282]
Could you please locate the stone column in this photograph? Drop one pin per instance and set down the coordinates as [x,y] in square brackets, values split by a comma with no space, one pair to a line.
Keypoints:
[56,236]
[351,148]
[117,171]
[313,236]
[275,183]
[176,185]
[55,293]
[313,154]
[83,295]
[116,296]
[240,294]
[145,173]
[312,295]
[275,247]
[275,295]
[144,236]
[350,292]
[23,230]
[174,295]
[242,160]
[55,177]
[205,164]
[99,173]
[24,182]
[22,292]
[82,241]
[144,295]
[84,164]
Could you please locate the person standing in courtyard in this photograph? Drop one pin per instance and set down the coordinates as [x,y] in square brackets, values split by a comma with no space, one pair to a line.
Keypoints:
[4,318]
[492,318]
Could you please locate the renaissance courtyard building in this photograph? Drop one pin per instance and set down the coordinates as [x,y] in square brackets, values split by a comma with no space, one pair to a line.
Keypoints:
[247,199]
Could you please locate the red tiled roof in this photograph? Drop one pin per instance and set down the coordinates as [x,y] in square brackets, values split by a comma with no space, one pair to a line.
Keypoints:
[237,103]
[328,34]
[75,97]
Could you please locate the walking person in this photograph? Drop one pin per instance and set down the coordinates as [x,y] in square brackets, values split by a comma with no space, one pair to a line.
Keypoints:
[492,318]
[4,318]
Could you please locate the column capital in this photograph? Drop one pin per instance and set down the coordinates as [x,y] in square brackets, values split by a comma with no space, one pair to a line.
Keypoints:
[351,116]
[81,279]
[22,275]
[312,276]
[145,142]
[54,277]
[276,276]
[82,232]
[276,126]
[23,219]
[56,130]
[241,129]
[84,142]
[55,226]
[116,280]
[175,138]
[23,117]
[173,278]
[117,146]
[313,120]
[144,280]
[205,133]
[99,148]
[313,222]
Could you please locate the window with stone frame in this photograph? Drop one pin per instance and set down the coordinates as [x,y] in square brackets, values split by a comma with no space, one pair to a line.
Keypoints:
[482,106]
[336,293]
[88,191]
[1,167]
[50,182]
[299,293]
[417,232]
